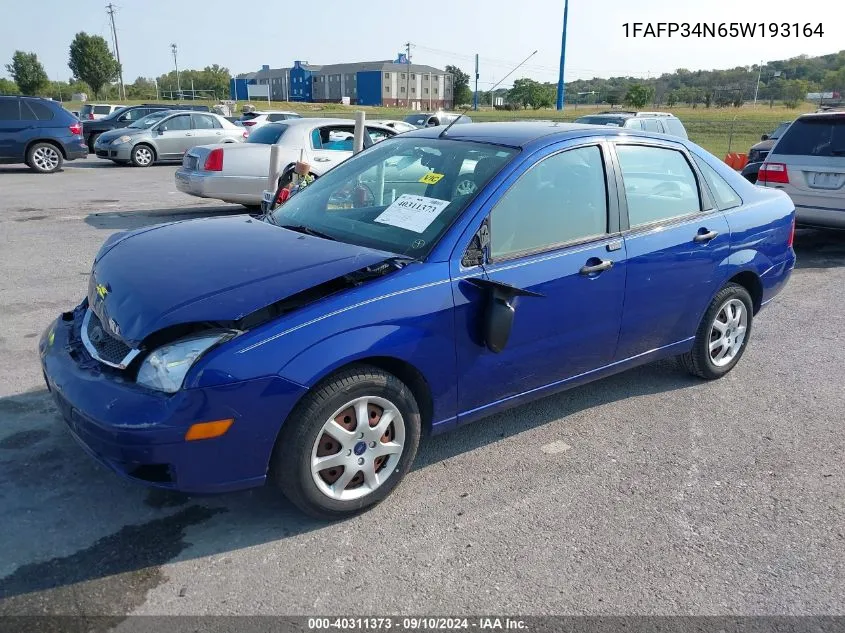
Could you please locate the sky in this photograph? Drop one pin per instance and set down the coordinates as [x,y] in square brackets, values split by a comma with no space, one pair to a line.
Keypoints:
[244,35]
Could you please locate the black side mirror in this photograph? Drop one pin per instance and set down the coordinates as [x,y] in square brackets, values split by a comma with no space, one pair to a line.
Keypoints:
[765,137]
[499,311]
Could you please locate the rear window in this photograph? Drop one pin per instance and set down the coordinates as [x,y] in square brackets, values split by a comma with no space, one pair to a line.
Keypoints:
[102,109]
[35,110]
[814,136]
[267,134]
[85,110]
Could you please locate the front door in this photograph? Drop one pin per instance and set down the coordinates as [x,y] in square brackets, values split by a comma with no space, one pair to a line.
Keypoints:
[554,231]
[675,240]
[175,137]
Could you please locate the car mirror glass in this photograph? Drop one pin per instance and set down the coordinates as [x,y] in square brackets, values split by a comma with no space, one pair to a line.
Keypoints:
[765,137]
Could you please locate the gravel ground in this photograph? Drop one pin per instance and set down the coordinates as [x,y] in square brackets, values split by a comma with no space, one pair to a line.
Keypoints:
[647,493]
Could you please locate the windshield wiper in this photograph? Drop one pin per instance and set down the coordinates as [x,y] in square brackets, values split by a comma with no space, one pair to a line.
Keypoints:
[307,230]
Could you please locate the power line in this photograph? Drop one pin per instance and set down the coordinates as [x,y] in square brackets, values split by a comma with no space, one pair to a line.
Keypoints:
[110,11]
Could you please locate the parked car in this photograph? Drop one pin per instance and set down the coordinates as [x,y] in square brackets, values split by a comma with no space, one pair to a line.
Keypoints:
[94,111]
[314,347]
[165,136]
[808,163]
[758,152]
[432,119]
[125,116]
[257,118]
[659,122]
[399,126]
[39,133]
[239,173]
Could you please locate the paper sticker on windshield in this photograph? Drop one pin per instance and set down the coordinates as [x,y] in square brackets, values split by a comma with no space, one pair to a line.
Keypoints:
[413,213]
[431,178]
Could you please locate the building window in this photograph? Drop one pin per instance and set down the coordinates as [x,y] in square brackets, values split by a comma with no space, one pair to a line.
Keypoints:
[413,89]
[435,91]
[402,89]
[425,77]
[387,75]
[425,91]
[413,76]
[387,89]
[402,76]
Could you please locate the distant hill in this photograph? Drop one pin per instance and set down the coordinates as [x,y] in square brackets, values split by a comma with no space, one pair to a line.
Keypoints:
[787,80]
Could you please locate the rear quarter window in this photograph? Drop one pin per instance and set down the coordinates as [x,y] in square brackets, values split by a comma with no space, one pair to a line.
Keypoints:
[675,127]
[37,110]
[814,136]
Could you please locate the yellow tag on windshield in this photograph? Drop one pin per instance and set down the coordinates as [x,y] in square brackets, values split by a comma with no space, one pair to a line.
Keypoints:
[431,178]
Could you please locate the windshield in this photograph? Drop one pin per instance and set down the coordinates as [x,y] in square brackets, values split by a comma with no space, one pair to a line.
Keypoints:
[601,120]
[416,119]
[398,196]
[267,134]
[150,120]
[779,131]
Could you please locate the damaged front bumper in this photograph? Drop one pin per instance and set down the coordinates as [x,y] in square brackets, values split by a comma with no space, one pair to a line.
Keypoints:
[140,433]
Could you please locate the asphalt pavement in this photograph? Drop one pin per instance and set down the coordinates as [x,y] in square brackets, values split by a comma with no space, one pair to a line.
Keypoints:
[647,493]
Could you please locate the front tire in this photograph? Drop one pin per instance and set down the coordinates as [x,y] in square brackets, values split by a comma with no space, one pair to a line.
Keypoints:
[142,155]
[44,158]
[92,140]
[722,335]
[348,444]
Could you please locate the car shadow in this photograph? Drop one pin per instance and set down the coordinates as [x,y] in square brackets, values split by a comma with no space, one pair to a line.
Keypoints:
[127,220]
[819,248]
[110,537]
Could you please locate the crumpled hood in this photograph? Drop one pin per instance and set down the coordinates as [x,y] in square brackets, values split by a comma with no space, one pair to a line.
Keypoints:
[213,269]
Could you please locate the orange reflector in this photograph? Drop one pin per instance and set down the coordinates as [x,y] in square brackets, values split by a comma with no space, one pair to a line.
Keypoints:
[207,430]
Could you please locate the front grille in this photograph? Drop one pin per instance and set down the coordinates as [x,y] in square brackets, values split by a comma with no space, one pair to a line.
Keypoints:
[103,153]
[102,345]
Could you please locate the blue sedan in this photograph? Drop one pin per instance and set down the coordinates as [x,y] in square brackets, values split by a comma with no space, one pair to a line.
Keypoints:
[429,281]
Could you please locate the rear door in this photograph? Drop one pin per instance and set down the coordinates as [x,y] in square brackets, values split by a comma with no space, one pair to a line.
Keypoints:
[813,151]
[207,130]
[676,240]
[11,147]
[328,148]
[175,136]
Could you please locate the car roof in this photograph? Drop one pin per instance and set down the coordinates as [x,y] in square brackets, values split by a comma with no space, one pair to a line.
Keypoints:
[823,115]
[271,112]
[523,133]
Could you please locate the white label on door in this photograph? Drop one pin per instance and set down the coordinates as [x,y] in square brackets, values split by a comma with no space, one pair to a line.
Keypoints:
[413,213]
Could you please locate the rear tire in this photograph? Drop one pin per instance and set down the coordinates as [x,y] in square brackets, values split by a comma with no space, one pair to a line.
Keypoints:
[45,158]
[722,335]
[372,455]
[142,155]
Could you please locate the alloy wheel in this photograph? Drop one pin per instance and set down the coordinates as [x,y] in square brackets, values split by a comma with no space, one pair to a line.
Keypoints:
[46,158]
[727,334]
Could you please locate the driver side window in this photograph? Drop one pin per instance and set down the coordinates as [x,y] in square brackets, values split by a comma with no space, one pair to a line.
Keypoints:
[559,200]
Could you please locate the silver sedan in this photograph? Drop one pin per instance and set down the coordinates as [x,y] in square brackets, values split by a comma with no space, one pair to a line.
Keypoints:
[165,136]
[238,173]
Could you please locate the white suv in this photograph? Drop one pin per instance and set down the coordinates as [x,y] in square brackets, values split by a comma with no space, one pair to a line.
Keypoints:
[660,122]
[257,118]
[94,111]
[808,163]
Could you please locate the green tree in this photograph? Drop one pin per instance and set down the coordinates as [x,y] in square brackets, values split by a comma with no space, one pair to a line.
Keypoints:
[612,99]
[460,85]
[638,96]
[8,87]
[141,88]
[92,61]
[27,72]
[672,98]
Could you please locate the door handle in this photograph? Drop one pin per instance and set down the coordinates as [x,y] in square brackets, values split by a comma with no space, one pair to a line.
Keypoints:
[188,134]
[705,237]
[320,159]
[603,265]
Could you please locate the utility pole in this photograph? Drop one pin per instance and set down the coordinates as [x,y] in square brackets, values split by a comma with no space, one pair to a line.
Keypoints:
[560,87]
[408,75]
[110,11]
[176,64]
[475,96]
[757,89]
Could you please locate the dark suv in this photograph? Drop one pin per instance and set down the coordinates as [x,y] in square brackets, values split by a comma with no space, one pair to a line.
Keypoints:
[40,133]
[123,117]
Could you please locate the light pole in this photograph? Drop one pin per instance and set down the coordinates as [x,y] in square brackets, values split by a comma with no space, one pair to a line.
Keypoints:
[176,64]
[757,88]
[560,87]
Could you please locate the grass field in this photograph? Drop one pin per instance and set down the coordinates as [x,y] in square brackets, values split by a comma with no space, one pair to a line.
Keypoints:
[715,129]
